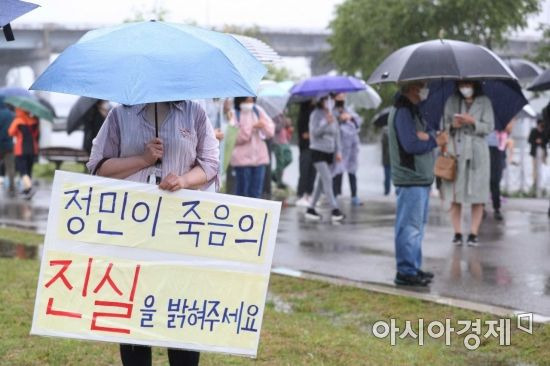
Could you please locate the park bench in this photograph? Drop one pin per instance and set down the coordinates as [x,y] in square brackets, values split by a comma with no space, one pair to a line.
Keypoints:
[58,155]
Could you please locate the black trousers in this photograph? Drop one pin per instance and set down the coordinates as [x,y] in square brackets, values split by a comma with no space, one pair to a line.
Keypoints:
[497,166]
[306,182]
[337,184]
[132,355]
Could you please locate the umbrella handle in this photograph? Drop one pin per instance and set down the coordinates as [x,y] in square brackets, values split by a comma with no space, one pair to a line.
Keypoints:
[159,161]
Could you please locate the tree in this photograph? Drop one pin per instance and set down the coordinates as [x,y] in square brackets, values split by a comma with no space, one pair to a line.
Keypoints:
[542,55]
[364,32]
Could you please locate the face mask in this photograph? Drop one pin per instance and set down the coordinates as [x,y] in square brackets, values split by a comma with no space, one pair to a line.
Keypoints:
[466,91]
[339,104]
[423,93]
[247,106]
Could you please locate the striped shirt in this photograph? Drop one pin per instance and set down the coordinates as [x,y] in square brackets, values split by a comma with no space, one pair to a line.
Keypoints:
[187,136]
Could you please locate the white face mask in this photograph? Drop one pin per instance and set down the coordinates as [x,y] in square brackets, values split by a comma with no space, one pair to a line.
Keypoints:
[466,91]
[247,106]
[423,93]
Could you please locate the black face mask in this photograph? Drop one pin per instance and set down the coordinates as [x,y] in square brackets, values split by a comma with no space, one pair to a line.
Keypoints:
[339,104]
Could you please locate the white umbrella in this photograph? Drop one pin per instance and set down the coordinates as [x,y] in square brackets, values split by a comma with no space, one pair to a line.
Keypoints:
[367,99]
[259,49]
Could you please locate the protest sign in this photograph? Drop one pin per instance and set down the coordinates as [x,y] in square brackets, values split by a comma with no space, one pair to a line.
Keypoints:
[125,262]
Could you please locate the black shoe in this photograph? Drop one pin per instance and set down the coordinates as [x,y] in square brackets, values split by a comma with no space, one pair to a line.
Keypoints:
[408,280]
[427,275]
[498,216]
[458,240]
[337,215]
[472,240]
[312,215]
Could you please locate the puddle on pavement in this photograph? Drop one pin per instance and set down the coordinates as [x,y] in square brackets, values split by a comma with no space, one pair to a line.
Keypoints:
[339,247]
[13,250]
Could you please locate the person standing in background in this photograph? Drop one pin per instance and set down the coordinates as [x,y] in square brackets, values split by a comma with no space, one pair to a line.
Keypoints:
[6,146]
[537,141]
[93,120]
[350,125]
[324,134]
[306,180]
[468,118]
[497,151]
[250,155]
[411,144]
[281,148]
[25,130]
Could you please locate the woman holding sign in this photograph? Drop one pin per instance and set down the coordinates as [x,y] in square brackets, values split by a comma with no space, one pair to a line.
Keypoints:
[185,155]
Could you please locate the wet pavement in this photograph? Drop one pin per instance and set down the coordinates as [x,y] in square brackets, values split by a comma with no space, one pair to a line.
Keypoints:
[510,268]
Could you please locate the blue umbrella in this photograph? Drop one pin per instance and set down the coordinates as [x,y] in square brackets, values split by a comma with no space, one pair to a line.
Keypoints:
[506,98]
[149,62]
[11,10]
[327,84]
[14,91]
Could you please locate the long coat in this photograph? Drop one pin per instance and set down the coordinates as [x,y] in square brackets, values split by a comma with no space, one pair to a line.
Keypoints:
[349,142]
[469,145]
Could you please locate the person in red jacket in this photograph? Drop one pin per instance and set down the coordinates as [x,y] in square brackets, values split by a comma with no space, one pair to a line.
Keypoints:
[24,129]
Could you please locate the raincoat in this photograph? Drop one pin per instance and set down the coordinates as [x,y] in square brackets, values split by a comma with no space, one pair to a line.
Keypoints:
[349,142]
[468,143]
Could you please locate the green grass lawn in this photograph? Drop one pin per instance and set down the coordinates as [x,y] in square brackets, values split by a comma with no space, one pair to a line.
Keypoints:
[305,323]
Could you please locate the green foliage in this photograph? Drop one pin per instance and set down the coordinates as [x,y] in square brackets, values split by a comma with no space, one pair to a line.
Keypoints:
[542,56]
[279,73]
[148,11]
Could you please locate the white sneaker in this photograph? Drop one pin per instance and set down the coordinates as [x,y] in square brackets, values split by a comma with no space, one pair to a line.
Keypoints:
[302,202]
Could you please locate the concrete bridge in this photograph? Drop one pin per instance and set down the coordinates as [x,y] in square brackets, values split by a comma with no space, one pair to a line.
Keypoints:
[33,46]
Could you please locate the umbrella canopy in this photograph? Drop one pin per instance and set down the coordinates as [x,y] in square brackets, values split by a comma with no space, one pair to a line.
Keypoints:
[367,99]
[327,84]
[46,103]
[78,111]
[273,98]
[261,50]
[380,119]
[11,10]
[31,106]
[153,61]
[506,98]
[541,83]
[441,59]
[13,91]
[524,69]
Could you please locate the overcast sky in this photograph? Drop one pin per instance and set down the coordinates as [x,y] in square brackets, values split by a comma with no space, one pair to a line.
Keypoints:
[306,14]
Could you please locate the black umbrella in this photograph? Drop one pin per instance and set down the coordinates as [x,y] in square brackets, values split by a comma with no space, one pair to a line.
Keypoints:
[541,83]
[47,104]
[524,69]
[380,119]
[78,111]
[441,59]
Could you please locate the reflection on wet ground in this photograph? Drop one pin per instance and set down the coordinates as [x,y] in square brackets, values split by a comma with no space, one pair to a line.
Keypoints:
[13,250]
[509,268]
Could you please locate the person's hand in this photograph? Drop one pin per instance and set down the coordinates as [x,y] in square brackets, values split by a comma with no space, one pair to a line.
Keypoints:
[153,151]
[329,117]
[260,124]
[442,138]
[457,121]
[345,116]
[338,157]
[305,135]
[219,134]
[467,119]
[423,136]
[173,183]
[538,141]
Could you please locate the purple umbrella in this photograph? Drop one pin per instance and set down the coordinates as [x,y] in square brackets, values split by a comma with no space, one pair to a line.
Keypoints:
[14,91]
[327,84]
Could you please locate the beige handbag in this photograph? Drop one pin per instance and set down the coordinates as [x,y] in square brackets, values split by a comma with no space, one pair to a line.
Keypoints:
[445,166]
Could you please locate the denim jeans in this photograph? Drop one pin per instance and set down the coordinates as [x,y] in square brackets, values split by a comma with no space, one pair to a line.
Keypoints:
[410,220]
[249,180]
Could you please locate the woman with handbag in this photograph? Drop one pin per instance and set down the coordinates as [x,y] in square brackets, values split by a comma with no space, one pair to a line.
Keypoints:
[468,118]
